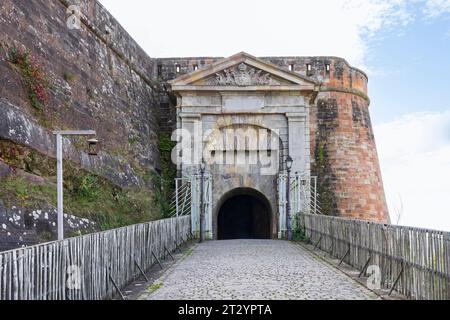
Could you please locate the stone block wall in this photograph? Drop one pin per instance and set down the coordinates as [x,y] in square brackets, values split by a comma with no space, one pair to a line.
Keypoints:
[24,226]
[169,69]
[99,79]
[343,149]
[346,159]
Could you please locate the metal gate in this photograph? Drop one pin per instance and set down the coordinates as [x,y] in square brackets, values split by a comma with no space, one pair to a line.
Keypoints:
[187,201]
[196,204]
[303,199]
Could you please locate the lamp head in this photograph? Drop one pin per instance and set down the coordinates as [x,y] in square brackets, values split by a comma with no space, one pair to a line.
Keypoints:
[289,162]
[92,147]
[203,165]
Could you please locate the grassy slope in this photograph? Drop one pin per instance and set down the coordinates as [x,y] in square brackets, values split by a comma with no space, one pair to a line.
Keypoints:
[87,196]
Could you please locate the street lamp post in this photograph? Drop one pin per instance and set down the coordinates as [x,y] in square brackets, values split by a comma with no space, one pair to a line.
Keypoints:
[59,169]
[289,162]
[202,206]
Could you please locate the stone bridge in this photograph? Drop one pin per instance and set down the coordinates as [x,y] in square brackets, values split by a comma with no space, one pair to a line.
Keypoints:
[334,259]
[253,270]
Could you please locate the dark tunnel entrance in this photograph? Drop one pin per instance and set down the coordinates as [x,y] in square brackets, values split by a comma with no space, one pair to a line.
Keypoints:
[244,216]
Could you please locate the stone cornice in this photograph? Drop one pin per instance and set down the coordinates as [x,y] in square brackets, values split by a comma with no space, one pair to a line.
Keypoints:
[179,88]
[356,92]
[241,58]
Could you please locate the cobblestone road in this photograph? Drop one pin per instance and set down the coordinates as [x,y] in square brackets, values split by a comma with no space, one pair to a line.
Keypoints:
[253,269]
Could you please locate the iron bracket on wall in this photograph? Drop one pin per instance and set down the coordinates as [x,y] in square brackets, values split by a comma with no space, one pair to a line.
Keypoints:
[165,248]
[345,255]
[396,280]
[140,270]
[157,260]
[365,267]
[330,251]
[318,242]
[115,285]
[177,247]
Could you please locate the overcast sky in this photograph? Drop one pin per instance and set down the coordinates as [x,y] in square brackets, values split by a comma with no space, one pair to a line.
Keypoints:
[403,45]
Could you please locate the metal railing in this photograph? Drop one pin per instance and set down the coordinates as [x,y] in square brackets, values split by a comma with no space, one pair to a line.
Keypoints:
[414,262]
[182,198]
[90,267]
[186,201]
[304,198]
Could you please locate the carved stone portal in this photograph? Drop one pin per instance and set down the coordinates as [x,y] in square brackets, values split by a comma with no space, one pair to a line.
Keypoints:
[242,75]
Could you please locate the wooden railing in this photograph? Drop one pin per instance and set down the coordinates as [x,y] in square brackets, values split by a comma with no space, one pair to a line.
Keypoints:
[89,267]
[414,262]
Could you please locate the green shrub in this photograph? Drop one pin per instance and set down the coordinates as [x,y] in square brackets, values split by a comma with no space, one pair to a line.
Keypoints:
[86,197]
[165,182]
[34,79]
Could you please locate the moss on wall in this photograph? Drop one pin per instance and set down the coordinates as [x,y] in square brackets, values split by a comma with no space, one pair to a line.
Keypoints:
[321,169]
[85,195]
[26,159]
[327,116]
[166,187]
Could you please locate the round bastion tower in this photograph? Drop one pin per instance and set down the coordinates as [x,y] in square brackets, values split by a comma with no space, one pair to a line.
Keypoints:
[343,150]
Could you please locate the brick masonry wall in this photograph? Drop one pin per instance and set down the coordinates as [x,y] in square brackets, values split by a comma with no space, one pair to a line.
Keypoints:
[343,149]
[345,158]
[100,79]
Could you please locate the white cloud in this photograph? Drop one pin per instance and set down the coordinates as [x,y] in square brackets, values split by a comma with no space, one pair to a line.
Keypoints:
[260,27]
[435,8]
[414,156]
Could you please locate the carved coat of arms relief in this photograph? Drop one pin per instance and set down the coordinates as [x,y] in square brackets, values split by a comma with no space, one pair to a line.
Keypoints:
[242,75]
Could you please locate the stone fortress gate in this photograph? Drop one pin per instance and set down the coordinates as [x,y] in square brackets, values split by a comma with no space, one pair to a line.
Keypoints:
[243,117]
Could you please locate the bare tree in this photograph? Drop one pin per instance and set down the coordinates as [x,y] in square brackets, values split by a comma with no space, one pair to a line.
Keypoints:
[397,208]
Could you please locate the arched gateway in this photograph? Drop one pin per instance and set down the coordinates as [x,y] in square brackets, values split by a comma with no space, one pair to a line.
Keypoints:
[242,115]
[244,213]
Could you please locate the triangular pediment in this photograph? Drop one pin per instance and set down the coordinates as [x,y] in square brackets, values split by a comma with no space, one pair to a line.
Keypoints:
[242,75]
[242,71]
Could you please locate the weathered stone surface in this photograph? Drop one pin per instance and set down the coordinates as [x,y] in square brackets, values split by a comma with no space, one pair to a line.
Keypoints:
[167,70]
[346,159]
[100,79]
[5,170]
[254,270]
[22,226]
[8,171]
[19,128]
